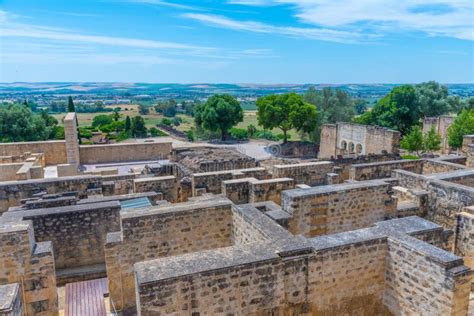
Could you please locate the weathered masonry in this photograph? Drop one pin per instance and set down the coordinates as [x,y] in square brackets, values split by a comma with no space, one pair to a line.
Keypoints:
[208,230]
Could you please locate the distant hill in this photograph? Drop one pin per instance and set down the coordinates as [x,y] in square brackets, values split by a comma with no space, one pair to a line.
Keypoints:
[168,90]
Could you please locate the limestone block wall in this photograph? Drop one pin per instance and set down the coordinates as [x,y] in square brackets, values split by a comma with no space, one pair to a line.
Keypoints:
[161,232]
[54,150]
[72,139]
[31,265]
[77,232]
[11,301]
[330,209]
[346,273]
[122,152]
[8,171]
[436,166]
[420,277]
[464,241]
[380,170]
[211,181]
[166,185]
[310,173]
[11,193]
[327,147]
[251,190]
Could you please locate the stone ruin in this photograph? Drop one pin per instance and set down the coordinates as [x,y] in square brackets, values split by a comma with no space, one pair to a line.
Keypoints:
[210,231]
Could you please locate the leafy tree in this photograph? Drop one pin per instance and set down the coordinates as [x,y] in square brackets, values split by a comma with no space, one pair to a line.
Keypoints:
[138,127]
[101,120]
[334,105]
[398,110]
[190,135]
[18,123]
[154,132]
[219,113]
[70,105]
[167,108]
[238,133]
[143,110]
[166,121]
[433,99]
[128,124]
[431,140]
[116,115]
[413,141]
[360,106]
[463,125]
[251,130]
[286,111]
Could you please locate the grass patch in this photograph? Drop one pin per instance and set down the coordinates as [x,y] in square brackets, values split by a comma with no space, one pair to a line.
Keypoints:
[410,157]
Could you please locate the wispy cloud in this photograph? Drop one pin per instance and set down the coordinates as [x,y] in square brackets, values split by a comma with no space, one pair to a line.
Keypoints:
[168,4]
[451,18]
[253,26]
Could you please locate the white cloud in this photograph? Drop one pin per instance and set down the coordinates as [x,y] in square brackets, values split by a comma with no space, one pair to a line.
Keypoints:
[452,18]
[252,26]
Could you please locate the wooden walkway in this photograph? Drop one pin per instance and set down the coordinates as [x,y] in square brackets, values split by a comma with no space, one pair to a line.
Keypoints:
[86,298]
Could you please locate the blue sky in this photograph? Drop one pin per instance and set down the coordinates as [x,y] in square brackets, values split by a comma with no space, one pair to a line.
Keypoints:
[237,41]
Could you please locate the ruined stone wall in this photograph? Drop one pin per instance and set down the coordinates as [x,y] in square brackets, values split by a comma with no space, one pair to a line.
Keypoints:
[54,150]
[440,124]
[380,170]
[345,273]
[166,185]
[211,181]
[328,143]
[437,166]
[416,282]
[11,300]
[330,209]
[72,139]
[161,232]
[11,193]
[31,264]
[251,190]
[310,173]
[122,152]
[464,241]
[8,171]
[77,232]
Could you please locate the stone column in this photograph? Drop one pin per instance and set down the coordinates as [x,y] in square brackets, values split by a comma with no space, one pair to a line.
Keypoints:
[72,140]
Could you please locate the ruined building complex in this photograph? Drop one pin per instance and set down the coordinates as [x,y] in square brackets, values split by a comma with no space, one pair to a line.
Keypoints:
[154,228]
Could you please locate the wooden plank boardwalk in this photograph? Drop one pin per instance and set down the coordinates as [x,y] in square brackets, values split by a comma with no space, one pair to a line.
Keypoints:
[86,298]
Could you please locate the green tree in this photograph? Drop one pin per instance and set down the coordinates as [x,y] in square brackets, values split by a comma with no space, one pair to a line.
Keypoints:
[463,125]
[251,130]
[154,132]
[398,110]
[433,99]
[18,123]
[431,140]
[70,105]
[128,124]
[219,113]
[143,110]
[413,141]
[116,115]
[138,127]
[101,120]
[286,111]
[360,106]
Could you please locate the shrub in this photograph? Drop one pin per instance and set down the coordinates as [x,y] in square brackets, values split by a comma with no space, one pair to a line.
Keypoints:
[238,133]
[166,121]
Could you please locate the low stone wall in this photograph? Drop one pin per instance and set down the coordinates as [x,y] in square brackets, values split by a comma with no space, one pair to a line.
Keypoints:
[77,232]
[251,190]
[437,166]
[11,301]
[420,277]
[211,181]
[123,152]
[12,192]
[167,185]
[327,275]
[162,232]
[380,170]
[331,209]
[8,171]
[54,150]
[31,265]
[464,242]
[310,173]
